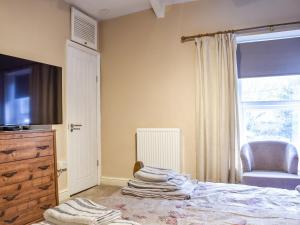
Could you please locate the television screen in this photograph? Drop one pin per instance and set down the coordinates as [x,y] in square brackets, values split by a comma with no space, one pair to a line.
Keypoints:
[30,92]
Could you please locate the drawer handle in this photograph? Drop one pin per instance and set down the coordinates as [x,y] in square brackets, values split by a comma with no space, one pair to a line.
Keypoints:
[19,186]
[10,197]
[44,167]
[11,220]
[9,174]
[1,213]
[45,187]
[8,152]
[43,147]
[44,207]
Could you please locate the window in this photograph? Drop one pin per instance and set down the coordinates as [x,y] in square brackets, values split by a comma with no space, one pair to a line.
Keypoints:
[269,87]
[270,108]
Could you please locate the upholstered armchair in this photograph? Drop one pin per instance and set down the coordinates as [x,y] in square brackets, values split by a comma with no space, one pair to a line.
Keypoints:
[270,164]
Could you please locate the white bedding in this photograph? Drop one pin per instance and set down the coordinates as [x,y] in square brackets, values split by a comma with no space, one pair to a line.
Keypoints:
[213,204]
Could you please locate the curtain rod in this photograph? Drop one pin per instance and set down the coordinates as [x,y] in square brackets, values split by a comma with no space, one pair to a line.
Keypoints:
[271,26]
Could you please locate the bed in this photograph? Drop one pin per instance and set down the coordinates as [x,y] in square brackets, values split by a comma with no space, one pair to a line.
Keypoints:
[213,204]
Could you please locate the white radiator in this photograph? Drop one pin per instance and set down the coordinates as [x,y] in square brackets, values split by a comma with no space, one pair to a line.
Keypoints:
[159,147]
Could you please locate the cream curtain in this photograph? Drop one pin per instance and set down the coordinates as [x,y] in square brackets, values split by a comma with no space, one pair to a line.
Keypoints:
[217,146]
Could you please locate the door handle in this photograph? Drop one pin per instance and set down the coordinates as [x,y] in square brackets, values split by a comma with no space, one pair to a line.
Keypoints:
[75,127]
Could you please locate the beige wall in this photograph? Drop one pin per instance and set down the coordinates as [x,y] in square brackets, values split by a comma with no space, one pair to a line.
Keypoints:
[148,75]
[37,30]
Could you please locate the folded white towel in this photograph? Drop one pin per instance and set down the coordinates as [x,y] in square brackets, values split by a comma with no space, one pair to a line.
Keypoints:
[81,211]
[152,174]
[183,193]
[298,188]
[173,184]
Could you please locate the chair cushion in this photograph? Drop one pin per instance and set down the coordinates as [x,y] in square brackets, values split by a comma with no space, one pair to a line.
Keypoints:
[275,179]
[269,155]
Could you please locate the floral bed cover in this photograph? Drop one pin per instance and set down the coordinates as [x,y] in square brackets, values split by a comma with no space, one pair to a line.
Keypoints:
[213,204]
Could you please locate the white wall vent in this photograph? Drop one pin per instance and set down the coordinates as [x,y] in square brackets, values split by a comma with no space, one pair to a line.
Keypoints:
[83,29]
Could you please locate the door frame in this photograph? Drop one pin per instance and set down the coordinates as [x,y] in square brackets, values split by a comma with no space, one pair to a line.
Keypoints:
[70,43]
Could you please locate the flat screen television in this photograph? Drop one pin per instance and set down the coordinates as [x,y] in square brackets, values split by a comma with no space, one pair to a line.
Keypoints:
[30,92]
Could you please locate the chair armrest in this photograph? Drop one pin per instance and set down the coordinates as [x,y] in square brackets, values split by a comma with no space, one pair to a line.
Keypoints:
[247,158]
[291,159]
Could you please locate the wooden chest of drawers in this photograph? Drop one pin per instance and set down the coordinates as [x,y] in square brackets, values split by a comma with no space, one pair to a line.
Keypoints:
[28,178]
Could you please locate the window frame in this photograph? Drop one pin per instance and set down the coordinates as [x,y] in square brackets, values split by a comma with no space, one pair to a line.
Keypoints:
[244,38]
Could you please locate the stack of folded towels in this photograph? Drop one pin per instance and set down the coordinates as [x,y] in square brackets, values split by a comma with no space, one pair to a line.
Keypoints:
[151,182]
[81,211]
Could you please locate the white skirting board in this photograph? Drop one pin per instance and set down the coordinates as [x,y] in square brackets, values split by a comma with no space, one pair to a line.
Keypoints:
[114,181]
[63,195]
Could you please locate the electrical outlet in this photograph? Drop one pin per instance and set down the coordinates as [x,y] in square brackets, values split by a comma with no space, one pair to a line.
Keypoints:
[62,165]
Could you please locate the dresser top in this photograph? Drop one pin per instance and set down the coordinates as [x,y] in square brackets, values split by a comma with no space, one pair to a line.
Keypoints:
[25,133]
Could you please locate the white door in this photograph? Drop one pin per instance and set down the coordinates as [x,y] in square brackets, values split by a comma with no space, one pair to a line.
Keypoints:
[82,116]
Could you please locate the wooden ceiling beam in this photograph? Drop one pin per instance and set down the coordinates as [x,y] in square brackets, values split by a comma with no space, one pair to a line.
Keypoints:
[159,8]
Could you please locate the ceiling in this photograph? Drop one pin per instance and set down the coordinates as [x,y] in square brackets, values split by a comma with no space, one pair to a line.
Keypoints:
[108,9]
